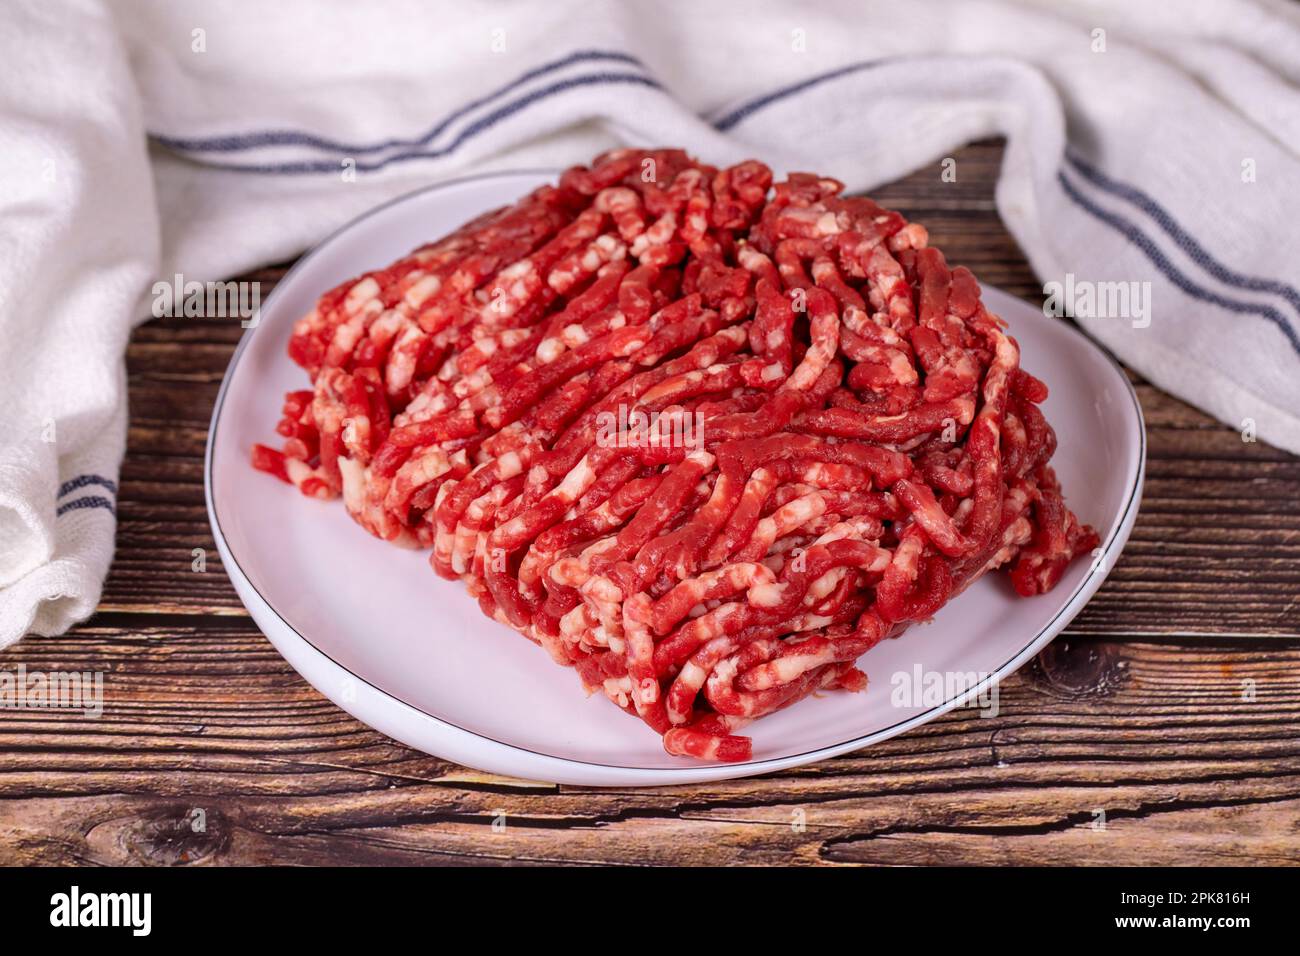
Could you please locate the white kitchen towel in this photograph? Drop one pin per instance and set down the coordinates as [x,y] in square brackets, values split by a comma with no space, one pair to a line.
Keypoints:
[78,246]
[1149,176]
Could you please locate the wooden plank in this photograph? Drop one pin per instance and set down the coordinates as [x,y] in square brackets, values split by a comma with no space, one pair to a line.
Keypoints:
[1192,755]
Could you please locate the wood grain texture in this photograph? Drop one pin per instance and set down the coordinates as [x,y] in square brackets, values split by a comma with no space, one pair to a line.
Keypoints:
[1164,727]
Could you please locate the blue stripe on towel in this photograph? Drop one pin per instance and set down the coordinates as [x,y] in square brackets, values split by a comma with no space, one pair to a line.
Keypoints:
[1171,272]
[1185,241]
[239,142]
[90,501]
[81,481]
[753,106]
[474,129]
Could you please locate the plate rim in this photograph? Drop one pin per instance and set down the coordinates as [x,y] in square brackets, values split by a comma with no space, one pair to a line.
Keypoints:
[688,773]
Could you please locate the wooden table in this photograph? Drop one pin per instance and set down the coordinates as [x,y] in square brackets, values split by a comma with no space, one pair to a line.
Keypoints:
[1140,716]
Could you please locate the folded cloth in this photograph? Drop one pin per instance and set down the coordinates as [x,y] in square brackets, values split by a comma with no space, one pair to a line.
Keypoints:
[78,246]
[1151,153]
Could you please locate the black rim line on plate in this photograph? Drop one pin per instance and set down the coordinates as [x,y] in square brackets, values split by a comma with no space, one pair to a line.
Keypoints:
[843,746]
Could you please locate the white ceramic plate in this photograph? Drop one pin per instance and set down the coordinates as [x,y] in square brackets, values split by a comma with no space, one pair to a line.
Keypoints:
[375,630]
